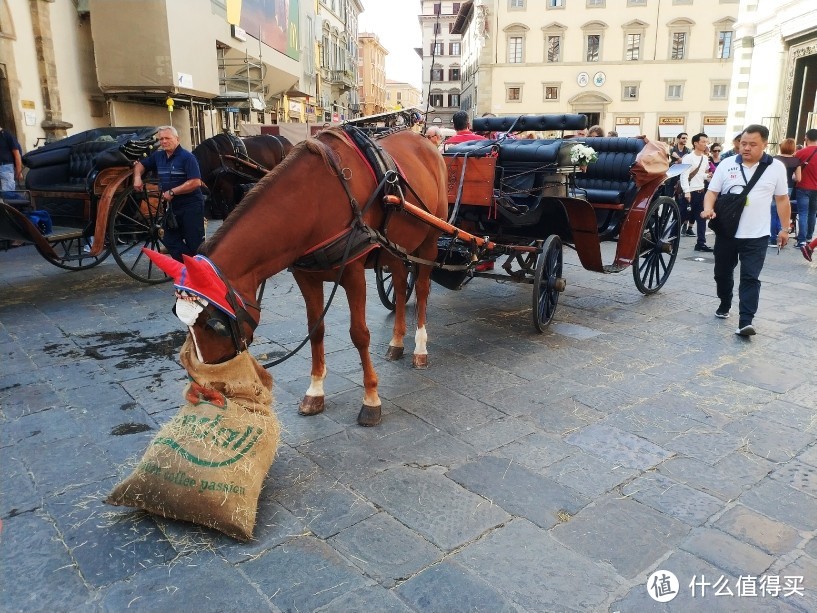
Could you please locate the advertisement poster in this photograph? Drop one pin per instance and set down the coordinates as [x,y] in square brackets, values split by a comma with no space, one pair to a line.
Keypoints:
[275,21]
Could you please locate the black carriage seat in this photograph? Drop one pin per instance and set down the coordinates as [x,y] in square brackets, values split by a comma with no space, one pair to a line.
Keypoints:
[530,123]
[69,174]
[608,180]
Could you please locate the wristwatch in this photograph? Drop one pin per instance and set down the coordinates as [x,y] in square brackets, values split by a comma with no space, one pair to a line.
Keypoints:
[171,192]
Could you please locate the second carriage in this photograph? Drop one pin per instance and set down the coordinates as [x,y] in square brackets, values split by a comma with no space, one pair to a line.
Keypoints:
[518,202]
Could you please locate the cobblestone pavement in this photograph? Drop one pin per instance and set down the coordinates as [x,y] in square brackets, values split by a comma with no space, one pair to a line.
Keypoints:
[520,472]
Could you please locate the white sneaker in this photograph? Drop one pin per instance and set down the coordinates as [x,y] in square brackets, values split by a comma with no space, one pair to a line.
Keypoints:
[747,330]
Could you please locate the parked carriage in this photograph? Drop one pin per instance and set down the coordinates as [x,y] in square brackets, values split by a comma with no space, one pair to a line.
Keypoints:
[79,205]
[524,200]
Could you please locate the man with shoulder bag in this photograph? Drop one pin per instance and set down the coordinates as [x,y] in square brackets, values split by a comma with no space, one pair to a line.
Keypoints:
[736,203]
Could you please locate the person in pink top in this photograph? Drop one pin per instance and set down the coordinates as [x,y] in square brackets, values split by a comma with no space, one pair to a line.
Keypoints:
[462,124]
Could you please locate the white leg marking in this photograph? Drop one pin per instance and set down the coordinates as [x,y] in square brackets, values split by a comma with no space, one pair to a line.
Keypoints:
[371,400]
[396,341]
[316,385]
[420,340]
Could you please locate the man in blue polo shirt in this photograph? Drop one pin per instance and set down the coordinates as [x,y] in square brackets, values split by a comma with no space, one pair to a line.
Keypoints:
[180,182]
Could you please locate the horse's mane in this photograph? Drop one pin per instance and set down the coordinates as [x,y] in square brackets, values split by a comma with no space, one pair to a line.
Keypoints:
[310,145]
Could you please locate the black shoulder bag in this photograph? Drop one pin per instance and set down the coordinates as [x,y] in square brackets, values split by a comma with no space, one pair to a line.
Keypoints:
[729,206]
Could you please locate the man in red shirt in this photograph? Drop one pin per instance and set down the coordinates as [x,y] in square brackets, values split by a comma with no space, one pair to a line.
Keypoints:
[806,191]
[462,124]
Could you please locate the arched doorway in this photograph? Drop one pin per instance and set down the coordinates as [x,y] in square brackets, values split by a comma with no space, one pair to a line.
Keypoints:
[800,100]
[592,104]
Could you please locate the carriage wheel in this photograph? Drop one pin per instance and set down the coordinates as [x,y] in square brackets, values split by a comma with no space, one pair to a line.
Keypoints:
[547,282]
[72,253]
[385,286]
[136,222]
[658,249]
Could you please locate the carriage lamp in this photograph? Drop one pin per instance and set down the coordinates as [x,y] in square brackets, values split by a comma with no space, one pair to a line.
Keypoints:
[169,103]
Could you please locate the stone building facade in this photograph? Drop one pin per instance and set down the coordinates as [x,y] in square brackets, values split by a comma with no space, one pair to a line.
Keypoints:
[774,78]
[441,51]
[654,67]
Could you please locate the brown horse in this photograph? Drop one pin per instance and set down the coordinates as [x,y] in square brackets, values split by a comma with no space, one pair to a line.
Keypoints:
[228,163]
[306,202]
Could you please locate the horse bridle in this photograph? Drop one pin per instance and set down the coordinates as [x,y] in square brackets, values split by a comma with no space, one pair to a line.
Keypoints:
[221,323]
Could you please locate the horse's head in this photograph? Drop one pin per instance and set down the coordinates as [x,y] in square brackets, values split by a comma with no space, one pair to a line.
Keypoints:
[214,312]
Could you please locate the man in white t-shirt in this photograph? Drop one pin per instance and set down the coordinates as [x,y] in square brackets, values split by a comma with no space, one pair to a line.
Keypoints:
[752,238]
[692,182]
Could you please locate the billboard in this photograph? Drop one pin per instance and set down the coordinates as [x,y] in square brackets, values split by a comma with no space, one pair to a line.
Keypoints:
[275,22]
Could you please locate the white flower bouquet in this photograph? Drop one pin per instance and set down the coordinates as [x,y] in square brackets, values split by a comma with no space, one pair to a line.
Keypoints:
[582,155]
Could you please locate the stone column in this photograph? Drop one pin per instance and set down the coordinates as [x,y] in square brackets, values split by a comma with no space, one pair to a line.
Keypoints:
[53,124]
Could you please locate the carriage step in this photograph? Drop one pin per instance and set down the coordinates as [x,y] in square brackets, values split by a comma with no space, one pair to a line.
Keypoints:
[609,268]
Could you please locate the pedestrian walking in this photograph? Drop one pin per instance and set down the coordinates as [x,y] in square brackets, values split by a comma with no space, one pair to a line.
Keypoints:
[11,161]
[692,183]
[788,147]
[749,243]
[806,192]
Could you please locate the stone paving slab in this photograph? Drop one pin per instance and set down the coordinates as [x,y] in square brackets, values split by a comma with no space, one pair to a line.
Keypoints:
[627,535]
[632,430]
[385,549]
[433,505]
[519,491]
[536,571]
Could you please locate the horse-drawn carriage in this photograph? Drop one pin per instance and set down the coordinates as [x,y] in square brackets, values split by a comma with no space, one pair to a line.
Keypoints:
[345,201]
[79,205]
[525,199]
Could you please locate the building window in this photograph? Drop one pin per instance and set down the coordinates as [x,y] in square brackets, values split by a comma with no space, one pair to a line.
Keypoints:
[636,2]
[515,50]
[437,49]
[516,4]
[725,44]
[436,74]
[436,100]
[720,91]
[454,100]
[593,47]
[675,91]
[453,48]
[679,46]
[437,8]
[554,48]
[556,4]
[596,4]
[436,29]
[399,96]
[633,47]
[455,9]
[454,74]
[682,1]
[513,93]
[551,92]
[629,91]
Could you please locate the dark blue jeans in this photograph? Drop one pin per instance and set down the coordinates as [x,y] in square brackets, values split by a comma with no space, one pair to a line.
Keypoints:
[752,254]
[806,213]
[186,238]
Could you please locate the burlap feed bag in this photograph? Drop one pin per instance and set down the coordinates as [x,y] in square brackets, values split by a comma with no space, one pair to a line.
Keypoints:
[208,463]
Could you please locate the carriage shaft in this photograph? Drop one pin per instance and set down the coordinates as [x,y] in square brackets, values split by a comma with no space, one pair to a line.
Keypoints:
[456,232]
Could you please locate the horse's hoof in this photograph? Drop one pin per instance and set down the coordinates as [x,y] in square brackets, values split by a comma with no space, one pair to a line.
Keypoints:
[311,405]
[394,353]
[421,360]
[369,416]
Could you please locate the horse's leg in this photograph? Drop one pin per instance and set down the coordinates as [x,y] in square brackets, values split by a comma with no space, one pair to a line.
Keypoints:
[312,290]
[354,282]
[399,278]
[422,288]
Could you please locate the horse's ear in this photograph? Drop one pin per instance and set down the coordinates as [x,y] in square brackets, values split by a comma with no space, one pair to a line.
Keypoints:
[172,268]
